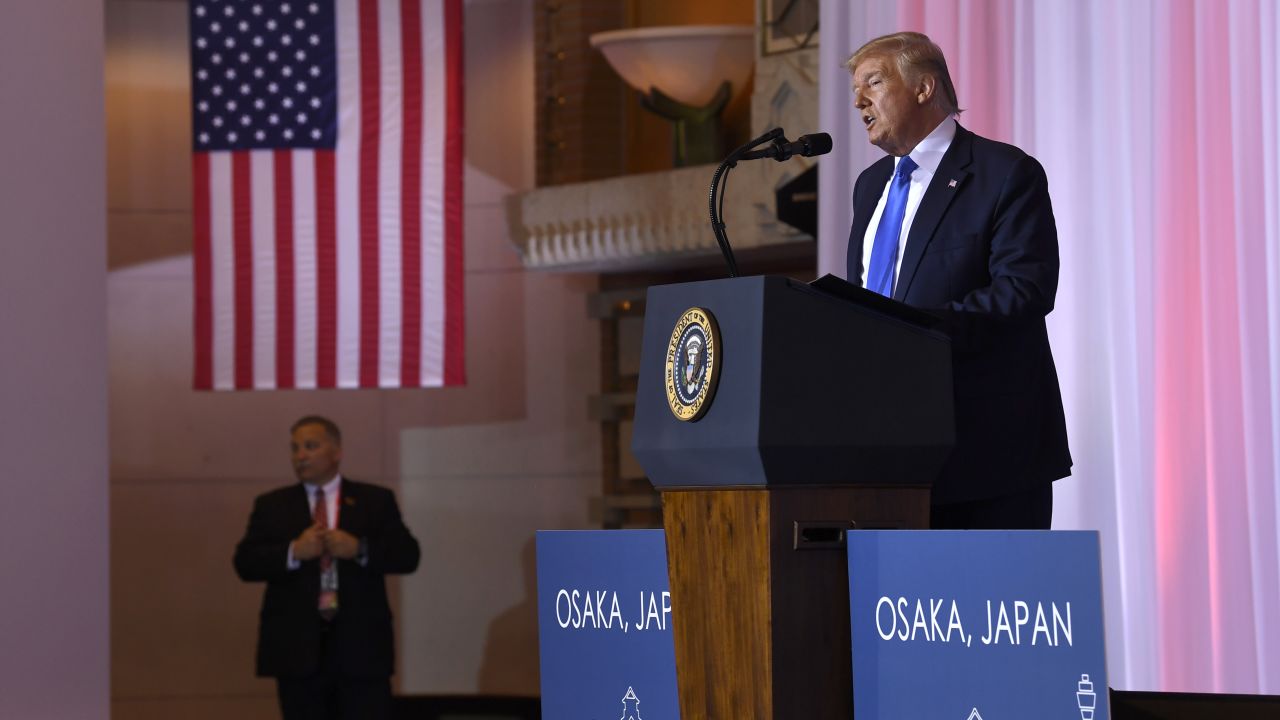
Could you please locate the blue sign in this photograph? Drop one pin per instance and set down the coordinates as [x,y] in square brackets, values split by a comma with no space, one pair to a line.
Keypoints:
[604,626]
[969,625]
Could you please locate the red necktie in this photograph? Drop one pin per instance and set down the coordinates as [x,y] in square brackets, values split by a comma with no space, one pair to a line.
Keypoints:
[328,601]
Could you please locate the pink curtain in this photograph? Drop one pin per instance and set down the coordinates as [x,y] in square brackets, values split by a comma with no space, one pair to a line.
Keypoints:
[1157,122]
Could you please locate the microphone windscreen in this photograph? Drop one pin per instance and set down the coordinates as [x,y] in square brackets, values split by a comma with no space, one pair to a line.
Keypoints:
[817,144]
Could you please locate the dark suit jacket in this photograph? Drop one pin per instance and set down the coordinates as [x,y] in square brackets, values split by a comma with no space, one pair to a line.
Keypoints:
[983,251]
[289,632]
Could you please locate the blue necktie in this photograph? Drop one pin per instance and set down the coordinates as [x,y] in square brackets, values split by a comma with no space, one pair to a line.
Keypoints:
[884,253]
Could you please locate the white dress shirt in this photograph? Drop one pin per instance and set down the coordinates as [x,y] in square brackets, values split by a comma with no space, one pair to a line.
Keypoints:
[927,156]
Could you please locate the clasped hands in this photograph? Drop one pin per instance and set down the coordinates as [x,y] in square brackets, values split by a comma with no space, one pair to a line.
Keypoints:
[317,540]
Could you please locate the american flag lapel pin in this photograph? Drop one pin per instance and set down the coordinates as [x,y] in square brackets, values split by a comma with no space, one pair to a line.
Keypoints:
[952,183]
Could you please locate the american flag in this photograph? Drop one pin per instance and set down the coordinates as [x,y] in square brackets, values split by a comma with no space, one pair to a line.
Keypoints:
[327,139]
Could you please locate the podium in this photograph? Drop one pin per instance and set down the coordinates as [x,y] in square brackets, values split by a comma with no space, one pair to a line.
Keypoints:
[827,412]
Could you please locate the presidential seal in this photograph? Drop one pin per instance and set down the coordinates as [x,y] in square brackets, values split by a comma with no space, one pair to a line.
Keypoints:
[693,364]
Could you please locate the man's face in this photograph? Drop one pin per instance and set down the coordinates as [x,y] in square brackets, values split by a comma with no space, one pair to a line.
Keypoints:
[315,454]
[888,107]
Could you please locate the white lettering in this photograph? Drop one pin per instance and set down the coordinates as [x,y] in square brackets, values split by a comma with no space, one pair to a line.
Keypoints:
[1058,624]
[588,611]
[565,620]
[614,612]
[934,607]
[1021,613]
[955,622]
[920,623]
[1002,624]
[893,619]
[600,617]
[909,620]
[1041,626]
[652,617]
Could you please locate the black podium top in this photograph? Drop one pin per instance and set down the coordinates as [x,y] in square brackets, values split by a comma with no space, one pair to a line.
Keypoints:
[815,388]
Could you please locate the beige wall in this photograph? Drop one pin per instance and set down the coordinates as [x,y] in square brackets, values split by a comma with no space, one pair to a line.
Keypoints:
[53,397]
[477,468]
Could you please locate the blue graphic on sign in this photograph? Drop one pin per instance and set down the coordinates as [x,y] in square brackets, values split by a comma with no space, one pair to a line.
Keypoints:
[972,625]
[604,626]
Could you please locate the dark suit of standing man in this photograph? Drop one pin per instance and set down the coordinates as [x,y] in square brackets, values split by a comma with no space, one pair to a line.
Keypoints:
[979,246]
[336,663]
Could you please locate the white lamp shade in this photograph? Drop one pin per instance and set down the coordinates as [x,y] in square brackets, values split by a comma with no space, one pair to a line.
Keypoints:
[686,62]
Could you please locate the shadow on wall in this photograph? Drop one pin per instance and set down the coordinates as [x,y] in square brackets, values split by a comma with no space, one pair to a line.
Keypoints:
[509,665]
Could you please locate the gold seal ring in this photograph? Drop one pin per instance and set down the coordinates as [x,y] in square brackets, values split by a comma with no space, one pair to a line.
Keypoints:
[693,364]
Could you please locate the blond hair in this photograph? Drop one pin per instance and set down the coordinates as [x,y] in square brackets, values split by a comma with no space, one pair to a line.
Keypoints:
[915,55]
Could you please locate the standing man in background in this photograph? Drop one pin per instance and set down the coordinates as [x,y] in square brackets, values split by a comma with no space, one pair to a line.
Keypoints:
[960,225]
[324,546]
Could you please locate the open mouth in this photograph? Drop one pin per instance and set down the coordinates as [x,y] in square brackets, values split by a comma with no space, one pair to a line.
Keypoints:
[868,121]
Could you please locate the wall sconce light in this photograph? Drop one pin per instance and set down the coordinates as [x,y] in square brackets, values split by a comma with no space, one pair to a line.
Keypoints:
[686,74]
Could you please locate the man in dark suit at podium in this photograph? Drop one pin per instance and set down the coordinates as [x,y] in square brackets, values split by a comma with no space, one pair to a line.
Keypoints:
[962,225]
[323,546]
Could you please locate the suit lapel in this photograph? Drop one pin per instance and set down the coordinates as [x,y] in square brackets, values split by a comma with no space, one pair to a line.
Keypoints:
[350,507]
[946,184]
[864,207]
[299,507]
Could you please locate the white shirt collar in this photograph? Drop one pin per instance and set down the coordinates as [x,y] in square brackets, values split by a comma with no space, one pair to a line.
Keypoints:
[928,153]
[330,488]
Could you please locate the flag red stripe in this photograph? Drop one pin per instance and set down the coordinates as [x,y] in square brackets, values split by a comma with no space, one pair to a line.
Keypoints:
[283,161]
[454,369]
[370,128]
[326,271]
[202,253]
[242,240]
[411,196]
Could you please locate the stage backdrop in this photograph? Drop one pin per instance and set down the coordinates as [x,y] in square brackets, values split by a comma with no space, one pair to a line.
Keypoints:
[1157,124]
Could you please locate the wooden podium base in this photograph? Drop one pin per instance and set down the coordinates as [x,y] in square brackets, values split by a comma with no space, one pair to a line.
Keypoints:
[760,591]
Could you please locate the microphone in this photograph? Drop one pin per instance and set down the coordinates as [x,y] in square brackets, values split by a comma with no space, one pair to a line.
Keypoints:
[805,145]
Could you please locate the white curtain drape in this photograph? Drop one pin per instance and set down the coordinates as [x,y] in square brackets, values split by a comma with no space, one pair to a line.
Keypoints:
[1158,122]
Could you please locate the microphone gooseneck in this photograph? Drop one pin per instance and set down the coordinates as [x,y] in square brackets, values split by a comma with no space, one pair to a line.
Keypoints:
[780,149]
